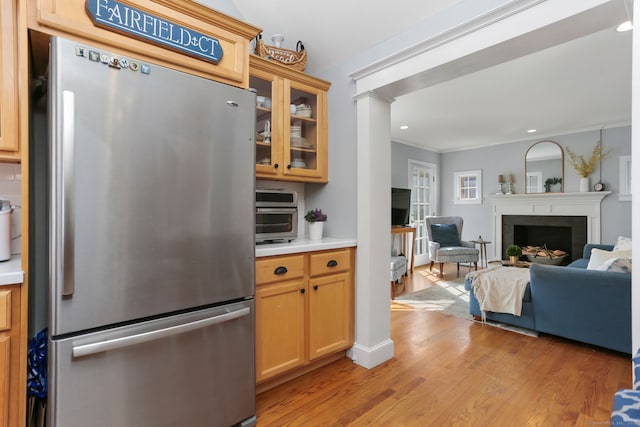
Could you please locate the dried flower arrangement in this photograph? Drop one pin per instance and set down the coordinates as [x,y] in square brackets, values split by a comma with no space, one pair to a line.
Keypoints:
[586,167]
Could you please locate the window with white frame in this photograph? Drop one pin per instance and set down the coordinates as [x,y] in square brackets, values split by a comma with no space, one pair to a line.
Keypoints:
[467,187]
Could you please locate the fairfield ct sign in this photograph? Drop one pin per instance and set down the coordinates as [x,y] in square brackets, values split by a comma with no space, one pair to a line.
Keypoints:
[126,19]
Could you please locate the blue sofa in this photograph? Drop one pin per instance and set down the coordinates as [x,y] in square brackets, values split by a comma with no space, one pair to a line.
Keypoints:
[590,306]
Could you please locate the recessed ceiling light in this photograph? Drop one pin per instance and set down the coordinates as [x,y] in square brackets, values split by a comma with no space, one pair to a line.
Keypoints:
[625,26]
[531,131]
[404,127]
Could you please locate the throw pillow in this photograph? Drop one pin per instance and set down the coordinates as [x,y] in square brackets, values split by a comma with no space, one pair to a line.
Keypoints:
[617,265]
[623,244]
[600,256]
[445,234]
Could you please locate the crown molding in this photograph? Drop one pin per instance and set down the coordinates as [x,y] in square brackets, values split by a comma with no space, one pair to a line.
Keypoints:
[481,21]
[372,94]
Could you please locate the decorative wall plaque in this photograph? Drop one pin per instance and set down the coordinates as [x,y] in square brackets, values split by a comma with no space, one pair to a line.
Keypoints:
[128,20]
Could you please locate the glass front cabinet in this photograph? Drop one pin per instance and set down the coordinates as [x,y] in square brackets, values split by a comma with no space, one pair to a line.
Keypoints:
[291,123]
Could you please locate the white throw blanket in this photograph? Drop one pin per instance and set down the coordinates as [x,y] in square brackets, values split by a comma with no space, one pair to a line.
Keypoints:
[500,289]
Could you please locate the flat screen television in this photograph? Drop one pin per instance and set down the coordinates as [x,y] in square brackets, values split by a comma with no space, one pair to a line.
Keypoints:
[400,206]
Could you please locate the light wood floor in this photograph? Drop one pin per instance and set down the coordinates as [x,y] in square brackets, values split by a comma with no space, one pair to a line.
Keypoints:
[422,278]
[452,372]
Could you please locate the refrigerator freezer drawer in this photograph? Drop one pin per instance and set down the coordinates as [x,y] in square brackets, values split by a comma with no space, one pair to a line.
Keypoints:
[191,369]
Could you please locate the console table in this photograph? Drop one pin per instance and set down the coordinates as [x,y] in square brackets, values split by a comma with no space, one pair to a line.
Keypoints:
[405,230]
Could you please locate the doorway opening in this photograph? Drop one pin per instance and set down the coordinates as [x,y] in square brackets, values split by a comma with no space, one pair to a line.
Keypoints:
[422,181]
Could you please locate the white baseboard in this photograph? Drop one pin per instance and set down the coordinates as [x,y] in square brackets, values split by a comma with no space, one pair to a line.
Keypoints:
[370,357]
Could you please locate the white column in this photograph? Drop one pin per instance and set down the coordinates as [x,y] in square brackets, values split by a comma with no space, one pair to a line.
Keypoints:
[373,344]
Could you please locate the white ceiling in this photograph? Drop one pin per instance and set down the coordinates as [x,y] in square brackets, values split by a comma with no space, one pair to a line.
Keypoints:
[334,30]
[580,85]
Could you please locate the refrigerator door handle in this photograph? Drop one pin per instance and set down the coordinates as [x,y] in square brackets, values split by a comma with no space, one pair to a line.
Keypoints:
[67,193]
[102,346]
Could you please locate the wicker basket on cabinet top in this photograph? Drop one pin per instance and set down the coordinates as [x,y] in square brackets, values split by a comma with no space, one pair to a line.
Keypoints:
[296,59]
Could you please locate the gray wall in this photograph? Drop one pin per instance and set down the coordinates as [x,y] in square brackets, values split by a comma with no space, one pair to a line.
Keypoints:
[400,156]
[225,6]
[338,198]
[509,159]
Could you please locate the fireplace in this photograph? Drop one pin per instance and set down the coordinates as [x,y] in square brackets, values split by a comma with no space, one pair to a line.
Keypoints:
[548,205]
[566,233]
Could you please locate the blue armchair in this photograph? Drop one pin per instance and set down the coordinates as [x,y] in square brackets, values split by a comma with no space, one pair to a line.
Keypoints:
[446,244]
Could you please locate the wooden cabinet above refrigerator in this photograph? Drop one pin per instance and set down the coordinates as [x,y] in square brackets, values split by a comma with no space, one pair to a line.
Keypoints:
[291,123]
[140,27]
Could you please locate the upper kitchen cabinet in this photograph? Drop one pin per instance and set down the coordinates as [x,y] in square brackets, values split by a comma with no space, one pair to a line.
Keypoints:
[180,34]
[291,123]
[9,145]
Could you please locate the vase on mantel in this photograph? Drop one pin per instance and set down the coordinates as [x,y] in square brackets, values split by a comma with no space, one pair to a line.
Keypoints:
[315,230]
[584,184]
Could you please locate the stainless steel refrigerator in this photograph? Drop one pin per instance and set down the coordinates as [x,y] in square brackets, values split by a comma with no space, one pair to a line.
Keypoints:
[151,244]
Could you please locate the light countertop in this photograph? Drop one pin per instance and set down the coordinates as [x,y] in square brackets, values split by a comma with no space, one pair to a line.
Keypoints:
[302,245]
[11,271]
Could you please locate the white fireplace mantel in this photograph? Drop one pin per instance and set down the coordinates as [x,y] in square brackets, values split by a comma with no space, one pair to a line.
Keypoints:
[548,204]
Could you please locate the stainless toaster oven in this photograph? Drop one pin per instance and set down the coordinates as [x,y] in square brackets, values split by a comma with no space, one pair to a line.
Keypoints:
[276,215]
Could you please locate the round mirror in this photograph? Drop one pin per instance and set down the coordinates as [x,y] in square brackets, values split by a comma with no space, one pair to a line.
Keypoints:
[544,168]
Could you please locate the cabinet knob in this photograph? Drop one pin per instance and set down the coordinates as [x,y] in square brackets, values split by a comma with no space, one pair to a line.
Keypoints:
[302,291]
[276,166]
[289,166]
[280,270]
[332,263]
[315,287]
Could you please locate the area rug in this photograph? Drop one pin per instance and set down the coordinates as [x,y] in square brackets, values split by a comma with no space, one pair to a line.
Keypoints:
[516,329]
[447,297]
[450,298]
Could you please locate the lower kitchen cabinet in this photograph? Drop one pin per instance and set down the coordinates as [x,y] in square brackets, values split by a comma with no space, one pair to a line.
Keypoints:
[10,354]
[330,309]
[303,316]
[279,328]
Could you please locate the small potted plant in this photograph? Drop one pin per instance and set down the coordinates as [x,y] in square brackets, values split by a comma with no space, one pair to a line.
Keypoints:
[316,220]
[514,252]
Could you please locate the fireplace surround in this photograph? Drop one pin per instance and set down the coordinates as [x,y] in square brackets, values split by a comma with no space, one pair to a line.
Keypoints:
[585,206]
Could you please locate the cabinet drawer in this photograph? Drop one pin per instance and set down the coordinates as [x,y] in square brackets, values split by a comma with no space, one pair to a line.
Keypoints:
[278,269]
[5,310]
[330,262]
